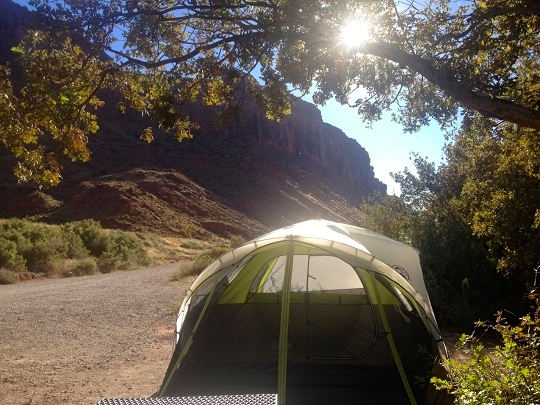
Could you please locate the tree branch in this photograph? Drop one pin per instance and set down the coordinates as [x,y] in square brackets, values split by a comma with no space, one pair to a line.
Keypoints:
[183,58]
[493,107]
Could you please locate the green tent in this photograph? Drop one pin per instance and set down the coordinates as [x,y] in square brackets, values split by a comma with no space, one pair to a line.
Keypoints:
[318,312]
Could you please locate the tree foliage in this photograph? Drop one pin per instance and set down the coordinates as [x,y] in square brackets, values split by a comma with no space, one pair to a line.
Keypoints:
[500,194]
[50,103]
[474,218]
[390,216]
[431,59]
[456,263]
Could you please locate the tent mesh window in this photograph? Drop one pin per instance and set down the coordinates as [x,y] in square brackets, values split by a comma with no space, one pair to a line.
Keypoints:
[328,303]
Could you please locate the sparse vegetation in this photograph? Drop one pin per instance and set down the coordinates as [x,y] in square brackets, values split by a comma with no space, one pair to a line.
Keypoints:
[208,256]
[175,307]
[235,241]
[191,245]
[205,258]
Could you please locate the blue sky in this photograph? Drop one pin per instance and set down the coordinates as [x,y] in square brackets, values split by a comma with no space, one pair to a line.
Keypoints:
[387,145]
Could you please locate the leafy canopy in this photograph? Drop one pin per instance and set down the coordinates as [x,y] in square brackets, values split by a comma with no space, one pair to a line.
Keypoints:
[430,59]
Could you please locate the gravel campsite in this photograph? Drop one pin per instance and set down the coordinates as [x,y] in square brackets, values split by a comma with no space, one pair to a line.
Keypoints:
[77,340]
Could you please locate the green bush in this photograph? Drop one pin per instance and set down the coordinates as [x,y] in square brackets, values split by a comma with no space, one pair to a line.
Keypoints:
[107,263]
[505,374]
[7,277]
[13,224]
[40,246]
[10,259]
[93,237]
[25,245]
[18,232]
[42,255]
[74,243]
[85,267]
[124,251]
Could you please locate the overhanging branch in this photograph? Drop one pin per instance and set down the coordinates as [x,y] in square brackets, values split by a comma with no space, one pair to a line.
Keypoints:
[492,107]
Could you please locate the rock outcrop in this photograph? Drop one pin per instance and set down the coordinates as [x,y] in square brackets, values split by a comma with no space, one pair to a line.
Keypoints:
[304,139]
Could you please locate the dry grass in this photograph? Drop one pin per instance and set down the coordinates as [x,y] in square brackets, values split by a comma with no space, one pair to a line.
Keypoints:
[167,249]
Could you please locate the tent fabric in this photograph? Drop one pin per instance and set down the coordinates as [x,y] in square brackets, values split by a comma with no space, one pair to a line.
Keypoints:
[313,311]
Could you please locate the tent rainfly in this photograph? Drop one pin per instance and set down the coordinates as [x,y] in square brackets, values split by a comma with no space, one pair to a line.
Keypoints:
[317,313]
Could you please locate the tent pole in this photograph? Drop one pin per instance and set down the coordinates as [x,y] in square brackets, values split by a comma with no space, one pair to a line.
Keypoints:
[392,343]
[284,325]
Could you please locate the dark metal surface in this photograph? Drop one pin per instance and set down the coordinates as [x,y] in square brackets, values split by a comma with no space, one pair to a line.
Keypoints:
[257,399]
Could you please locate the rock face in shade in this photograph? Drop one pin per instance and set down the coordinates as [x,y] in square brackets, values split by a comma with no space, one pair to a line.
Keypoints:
[242,178]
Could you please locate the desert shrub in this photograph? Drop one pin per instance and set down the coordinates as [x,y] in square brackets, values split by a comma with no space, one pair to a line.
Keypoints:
[199,263]
[150,241]
[190,245]
[183,271]
[16,231]
[10,259]
[45,250]
[93,237]
[75,247]
[208,256]
[236,241]
[205,258]
[84,267]
[36,247]
[7,277]
[186,232]
[39,245]
[13,224]
[216,251]
[505,374]
[107,263]
[124,251]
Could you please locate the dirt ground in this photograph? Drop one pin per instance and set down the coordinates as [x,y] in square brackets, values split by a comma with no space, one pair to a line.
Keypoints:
[78,340]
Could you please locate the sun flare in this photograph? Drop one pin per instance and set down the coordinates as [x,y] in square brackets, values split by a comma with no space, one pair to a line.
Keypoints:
[354,33]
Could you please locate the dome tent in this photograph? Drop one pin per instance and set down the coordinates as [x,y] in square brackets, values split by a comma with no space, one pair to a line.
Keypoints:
[318,312]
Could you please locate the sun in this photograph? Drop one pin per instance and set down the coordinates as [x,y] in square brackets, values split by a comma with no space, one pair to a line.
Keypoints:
[354,33]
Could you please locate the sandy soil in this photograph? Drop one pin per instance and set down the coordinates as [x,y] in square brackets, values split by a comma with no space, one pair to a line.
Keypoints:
[78,340]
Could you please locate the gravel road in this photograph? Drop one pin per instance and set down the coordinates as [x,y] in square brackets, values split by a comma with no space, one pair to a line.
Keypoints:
[77,340]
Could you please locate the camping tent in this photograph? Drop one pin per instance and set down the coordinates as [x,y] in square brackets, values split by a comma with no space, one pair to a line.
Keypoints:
[318,312]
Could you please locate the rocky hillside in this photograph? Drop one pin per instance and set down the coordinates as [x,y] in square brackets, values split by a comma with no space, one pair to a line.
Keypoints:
[244,178]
